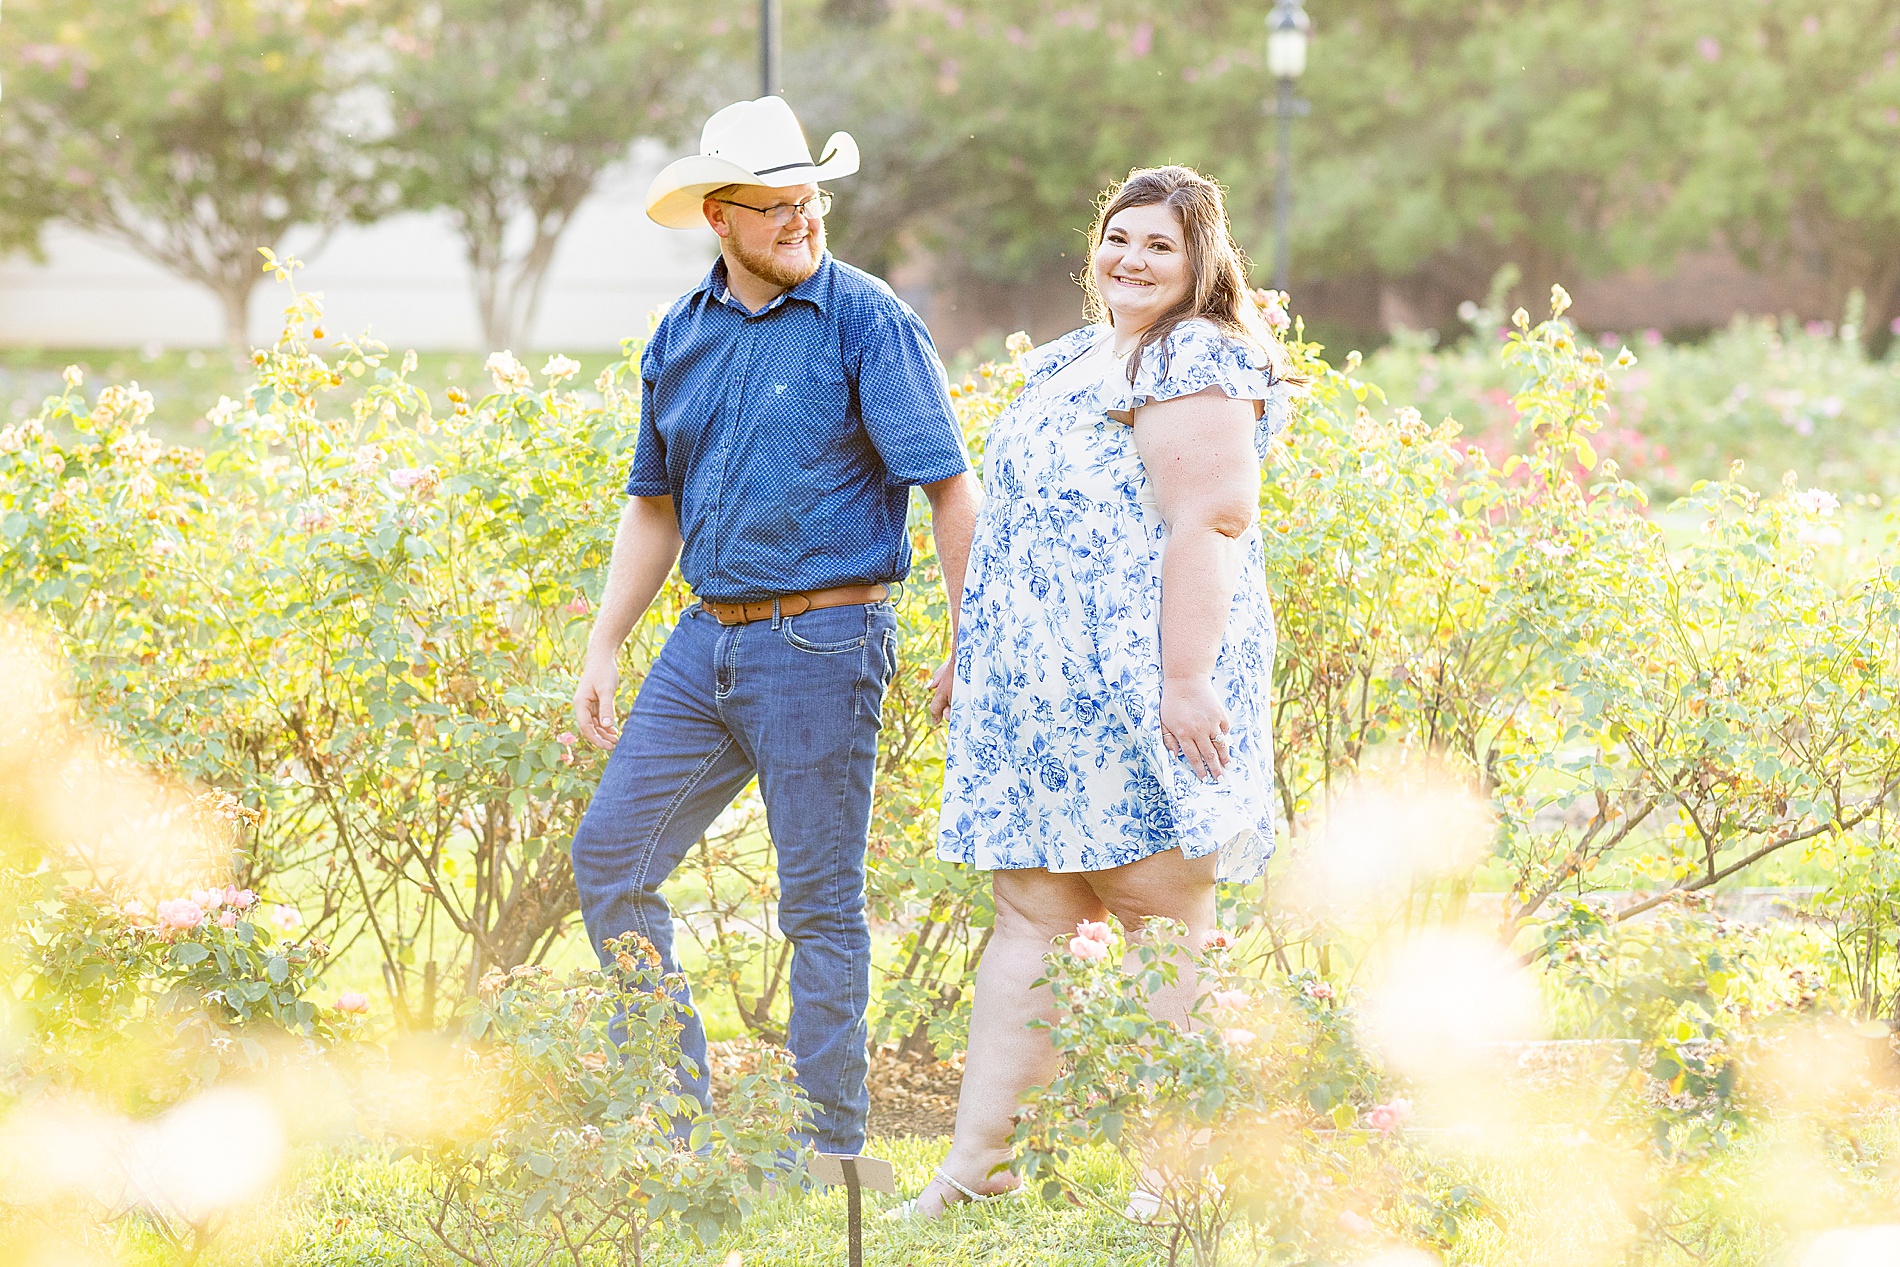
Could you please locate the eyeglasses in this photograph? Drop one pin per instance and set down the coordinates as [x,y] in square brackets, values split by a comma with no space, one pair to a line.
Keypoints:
[813,207]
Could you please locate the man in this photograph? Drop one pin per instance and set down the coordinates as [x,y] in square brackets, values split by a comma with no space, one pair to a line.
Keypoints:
[790,402]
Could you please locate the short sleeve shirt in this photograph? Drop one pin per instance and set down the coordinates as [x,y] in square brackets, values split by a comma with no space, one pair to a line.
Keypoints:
[789,438]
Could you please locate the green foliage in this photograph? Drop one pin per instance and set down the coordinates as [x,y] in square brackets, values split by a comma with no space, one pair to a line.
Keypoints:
[1639,714]
[1794,113]
[1263,1110]
[193,131]
[505,114]
[359,626]
[124,1004]
[1775,399]
[1443,142]
[584,1145]
[1684,996]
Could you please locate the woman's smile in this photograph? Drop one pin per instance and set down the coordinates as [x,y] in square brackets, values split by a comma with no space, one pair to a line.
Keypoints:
[1141,268]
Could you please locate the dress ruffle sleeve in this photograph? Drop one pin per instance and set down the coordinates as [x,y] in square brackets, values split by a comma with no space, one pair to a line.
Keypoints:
[1046,358]
[1194,357]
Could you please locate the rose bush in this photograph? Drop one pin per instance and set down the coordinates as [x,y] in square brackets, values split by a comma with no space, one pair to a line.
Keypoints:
[1265,1111]
[583,1147]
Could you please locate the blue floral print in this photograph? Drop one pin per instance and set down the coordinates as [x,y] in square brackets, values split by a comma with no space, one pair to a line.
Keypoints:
[1055,757]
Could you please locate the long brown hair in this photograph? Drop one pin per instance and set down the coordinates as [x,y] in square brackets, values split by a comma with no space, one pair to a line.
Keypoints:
[1215,261]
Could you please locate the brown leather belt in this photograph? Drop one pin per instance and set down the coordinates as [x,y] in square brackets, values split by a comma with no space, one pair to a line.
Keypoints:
[793,604]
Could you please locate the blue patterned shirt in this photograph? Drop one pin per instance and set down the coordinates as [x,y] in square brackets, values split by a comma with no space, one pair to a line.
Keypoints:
[789,438]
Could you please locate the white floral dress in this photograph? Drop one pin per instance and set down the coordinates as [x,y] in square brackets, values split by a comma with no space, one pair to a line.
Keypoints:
[1055,757]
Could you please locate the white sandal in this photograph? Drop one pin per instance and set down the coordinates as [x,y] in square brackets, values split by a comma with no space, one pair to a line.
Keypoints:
[908,1209]
[1143,1206]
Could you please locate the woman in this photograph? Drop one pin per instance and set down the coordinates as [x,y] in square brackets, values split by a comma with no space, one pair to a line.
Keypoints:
[1110,746]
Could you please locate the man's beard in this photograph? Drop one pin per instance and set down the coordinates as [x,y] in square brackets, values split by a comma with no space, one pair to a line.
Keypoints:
[768,266]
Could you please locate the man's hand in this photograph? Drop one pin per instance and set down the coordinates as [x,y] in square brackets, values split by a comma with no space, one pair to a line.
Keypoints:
[941,683]
[594,709]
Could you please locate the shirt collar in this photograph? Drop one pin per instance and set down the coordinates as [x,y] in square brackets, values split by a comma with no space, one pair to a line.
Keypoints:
[814,290]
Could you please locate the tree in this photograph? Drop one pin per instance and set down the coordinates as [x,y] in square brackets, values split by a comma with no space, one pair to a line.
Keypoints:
[1446,143]
[506,113]
[1793,143]
[1002,120]
[192,131]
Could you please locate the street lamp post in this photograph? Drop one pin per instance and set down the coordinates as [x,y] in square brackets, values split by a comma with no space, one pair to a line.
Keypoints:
[768,47]
[1287,31]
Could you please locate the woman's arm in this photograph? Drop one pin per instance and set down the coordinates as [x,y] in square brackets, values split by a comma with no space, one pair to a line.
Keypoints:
[1199,454]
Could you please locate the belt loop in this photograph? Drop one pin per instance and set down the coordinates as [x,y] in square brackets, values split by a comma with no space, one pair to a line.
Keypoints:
[775,615]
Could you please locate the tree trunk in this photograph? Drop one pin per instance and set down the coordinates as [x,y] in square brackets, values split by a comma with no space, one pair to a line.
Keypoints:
[1879,322]
[508,291]
[234,295]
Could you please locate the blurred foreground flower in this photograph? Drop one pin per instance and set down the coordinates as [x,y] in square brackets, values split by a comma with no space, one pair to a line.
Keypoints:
[1381,835]
[1390,1116]
[1444,999]
[1876,1246]
[198,1159]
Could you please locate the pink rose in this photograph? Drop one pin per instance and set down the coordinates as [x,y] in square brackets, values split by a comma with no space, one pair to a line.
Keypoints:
[1216,939]
[579,607]
[285,917]
[179,914]
[243,899]
[209,899]
[1088,949]
[1239,1039]
[1386,1118]
[228,920]
[1094,930]
[1230,1000]
[353,1001]
[567,739]
[1318,990]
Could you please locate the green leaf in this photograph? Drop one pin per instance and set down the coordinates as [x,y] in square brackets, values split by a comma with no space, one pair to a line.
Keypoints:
[187,953]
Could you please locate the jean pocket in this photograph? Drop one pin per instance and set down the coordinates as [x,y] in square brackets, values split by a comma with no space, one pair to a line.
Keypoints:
[827,631]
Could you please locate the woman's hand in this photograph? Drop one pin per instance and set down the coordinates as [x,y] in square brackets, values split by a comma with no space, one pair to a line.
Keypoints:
[1194,724]
[940,684]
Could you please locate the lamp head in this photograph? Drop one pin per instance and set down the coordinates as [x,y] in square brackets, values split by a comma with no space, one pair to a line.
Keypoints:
[1287,31]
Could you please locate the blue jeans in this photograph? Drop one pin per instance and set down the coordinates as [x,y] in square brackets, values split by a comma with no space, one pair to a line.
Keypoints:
[797,701]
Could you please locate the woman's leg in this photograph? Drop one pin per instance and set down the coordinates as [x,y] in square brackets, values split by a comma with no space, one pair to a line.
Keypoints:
[1005,1057]
[1170,886]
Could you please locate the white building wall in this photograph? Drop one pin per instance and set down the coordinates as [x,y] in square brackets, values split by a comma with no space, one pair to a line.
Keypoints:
[402,280]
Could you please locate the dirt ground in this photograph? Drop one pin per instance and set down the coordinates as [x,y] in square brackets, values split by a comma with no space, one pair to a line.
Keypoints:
[910,1096]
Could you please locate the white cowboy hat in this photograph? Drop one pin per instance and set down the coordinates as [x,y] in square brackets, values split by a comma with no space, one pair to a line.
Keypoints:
[747,143]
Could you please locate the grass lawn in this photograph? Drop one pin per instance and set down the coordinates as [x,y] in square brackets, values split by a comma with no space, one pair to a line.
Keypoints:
[1565,1194]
